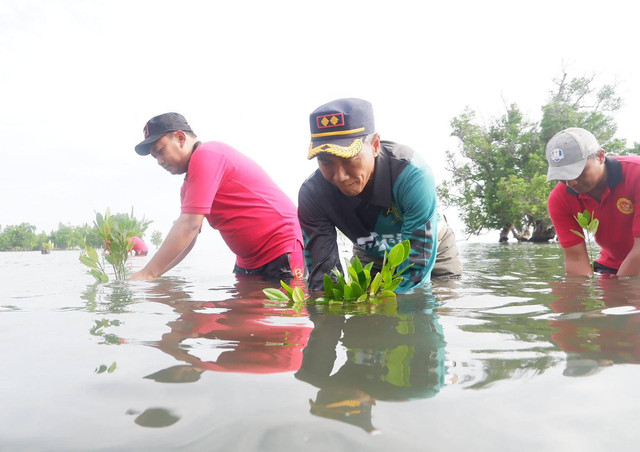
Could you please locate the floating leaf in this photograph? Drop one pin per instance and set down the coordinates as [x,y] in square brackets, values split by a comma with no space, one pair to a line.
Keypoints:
[275,294]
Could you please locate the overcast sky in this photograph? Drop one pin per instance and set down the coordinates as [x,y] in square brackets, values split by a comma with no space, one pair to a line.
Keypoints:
[79,79]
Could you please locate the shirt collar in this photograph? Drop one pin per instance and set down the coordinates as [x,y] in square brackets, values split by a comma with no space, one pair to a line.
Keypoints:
[380,194]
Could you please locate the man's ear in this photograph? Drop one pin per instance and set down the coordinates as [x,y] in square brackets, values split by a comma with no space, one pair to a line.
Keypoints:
[601,155]
[375,142]
[181,136]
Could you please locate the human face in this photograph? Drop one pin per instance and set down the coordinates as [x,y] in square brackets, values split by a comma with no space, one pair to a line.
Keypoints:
[350,175]
[171,153]
[592,179]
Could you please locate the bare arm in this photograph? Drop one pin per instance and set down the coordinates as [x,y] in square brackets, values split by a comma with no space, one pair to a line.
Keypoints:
[576,260]
[631,264]
[175,247]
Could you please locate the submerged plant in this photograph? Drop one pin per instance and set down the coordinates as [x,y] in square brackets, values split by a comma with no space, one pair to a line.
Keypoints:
[117,232]
[589,224]
[358,286]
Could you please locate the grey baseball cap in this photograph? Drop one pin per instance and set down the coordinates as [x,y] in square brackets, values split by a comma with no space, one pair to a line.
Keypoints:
[567,153]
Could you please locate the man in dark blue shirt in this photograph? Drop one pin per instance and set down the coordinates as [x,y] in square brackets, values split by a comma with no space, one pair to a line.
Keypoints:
[378,193]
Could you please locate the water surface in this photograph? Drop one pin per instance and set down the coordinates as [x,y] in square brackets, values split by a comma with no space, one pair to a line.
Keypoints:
[512,356]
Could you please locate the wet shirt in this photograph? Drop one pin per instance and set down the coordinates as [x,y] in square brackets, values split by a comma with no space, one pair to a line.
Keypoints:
[619,221]
[255,218]
[401,206]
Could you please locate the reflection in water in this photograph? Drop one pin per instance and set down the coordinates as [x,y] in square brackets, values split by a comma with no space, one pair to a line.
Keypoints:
[599,322]
[391,356]
[156,418]
[244,334]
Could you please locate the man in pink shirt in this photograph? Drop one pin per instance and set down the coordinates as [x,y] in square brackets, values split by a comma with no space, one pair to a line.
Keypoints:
[139,247]
[255,218]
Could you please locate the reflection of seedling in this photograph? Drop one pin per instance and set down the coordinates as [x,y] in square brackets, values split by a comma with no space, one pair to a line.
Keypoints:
[590,225]
[359,287]
[103,368]
[117,232]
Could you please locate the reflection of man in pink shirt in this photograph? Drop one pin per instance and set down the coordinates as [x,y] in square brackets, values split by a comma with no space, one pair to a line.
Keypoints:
[255,218]
[139,247]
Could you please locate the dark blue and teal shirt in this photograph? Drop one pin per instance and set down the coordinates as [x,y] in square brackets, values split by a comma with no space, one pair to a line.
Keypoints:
[400,205]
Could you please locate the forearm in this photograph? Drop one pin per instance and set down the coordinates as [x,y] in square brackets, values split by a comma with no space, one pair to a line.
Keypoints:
[177,244]
[181,256]
[631,264]
[576,260]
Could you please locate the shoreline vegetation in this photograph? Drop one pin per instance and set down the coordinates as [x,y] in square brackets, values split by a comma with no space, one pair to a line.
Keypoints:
[23,237]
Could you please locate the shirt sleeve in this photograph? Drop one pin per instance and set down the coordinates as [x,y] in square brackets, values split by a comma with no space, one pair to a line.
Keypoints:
[561,214]
[206,173]
[320,237]
[415,194]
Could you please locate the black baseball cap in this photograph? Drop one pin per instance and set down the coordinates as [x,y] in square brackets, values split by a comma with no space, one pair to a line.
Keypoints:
[158,126]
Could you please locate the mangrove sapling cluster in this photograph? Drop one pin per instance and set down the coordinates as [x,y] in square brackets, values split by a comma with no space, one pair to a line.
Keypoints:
[359,286]
[589,224]
[116,231]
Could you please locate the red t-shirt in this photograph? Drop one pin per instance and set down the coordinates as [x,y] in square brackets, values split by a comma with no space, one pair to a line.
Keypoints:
[619,221]
[255,218]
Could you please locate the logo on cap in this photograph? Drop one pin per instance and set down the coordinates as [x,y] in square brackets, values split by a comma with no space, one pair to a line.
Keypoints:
[146,130]
[557,154]
[625,206]
[328,121]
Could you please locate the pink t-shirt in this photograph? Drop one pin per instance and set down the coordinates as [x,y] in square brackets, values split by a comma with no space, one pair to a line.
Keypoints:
[138,245]
[255,218]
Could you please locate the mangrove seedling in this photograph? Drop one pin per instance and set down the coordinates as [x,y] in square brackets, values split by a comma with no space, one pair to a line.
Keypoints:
[359,286]
[589,224]
[117,232]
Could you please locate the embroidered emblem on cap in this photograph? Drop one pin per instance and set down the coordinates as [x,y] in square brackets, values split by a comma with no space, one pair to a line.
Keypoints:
[557,154]
[332,120]
[625,206]
[146,130]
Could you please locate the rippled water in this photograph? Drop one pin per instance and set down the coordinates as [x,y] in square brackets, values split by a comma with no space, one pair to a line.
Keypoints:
[513,356]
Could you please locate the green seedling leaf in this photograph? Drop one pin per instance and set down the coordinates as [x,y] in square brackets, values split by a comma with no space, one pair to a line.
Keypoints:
[356,290]
[579,234]
[406,245]
[86,260]
[375,285]
[298,295]
[387,294]
[275,294]
[396,255]
[328,284]
[347,293]
[356,264]
[337,294]
[287,288]
[386,275]
[112,368]
[362,298]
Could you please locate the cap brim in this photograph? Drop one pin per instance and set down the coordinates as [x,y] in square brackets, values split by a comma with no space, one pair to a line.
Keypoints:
[566,172]
[142,148]
[341,147]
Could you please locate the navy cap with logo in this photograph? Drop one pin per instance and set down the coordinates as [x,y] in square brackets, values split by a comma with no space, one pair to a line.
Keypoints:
[340,126]
[160,125]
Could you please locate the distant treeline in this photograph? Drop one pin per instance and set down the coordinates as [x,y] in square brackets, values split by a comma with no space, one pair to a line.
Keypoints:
[23,237]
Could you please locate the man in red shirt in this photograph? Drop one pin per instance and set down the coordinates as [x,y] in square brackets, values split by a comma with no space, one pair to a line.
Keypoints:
[255,218]
[608,187]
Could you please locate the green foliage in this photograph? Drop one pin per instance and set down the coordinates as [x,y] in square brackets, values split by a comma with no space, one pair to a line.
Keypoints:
[116,231]
[156,238]
[498,175]
[359,286]
[589,224]
[20,237]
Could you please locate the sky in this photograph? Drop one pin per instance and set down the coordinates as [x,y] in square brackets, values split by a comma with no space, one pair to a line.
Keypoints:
[79,79]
